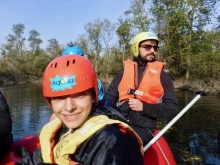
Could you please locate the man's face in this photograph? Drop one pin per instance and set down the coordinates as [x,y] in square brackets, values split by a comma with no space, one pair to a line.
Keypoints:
[148,50]
[73,109]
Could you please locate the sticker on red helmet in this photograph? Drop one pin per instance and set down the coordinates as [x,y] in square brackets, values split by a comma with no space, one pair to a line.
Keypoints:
[62,83]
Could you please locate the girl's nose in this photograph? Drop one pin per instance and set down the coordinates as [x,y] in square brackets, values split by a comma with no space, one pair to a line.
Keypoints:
[70,104]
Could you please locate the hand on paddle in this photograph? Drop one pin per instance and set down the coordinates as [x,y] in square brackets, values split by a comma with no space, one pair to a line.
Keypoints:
[135,104]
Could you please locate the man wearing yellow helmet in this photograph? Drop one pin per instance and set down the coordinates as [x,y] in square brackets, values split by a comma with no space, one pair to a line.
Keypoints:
[143,91]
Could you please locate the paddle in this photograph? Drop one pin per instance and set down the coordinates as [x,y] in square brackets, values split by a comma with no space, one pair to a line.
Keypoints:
[199,94]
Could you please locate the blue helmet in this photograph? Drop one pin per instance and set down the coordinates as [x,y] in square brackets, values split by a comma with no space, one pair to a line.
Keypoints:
[73,49]
[101,90]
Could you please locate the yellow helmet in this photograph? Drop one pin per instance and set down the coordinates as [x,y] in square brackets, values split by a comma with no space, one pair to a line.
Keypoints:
[142,37]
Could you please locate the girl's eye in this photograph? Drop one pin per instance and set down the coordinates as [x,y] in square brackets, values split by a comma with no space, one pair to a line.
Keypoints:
[79,94]
[58,98]
[64,97]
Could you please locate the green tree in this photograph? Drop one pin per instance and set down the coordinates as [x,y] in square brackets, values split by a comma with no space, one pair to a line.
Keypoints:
[13,50]
[94,37]
[179,29]
[82,42]
[205,64]
[54,49]
[15,42]
[108,30]
[124,34]
[34,40]
[137,16]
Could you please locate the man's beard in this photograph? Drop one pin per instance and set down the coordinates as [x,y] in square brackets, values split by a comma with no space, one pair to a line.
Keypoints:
[149,60]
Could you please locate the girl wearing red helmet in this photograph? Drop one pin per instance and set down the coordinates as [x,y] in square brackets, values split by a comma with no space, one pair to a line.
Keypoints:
[86,131]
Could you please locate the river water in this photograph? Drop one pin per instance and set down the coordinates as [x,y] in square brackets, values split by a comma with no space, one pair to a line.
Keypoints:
[193,138]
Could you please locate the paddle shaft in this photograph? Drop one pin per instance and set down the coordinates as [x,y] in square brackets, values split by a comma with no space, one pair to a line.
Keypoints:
[171,123]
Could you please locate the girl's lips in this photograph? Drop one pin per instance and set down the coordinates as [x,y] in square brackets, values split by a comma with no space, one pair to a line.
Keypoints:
[71,117]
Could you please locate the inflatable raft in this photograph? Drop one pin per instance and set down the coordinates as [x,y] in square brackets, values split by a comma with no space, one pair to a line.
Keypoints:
[29,142]
[158,154]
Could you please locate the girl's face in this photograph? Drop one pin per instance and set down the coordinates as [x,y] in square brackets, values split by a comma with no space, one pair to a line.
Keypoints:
[73,109]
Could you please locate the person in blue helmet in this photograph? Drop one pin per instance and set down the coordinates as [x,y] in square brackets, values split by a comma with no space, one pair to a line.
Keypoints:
[73,49]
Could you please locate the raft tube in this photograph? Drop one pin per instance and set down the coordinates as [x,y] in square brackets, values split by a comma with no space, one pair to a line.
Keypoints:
[158,154]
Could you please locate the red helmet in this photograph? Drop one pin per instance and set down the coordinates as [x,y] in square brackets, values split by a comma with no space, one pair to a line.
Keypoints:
[67,75]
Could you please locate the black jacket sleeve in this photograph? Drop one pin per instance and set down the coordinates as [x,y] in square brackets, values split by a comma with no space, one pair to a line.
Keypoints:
[5,118]
[34,158]
[169,106]
[109,146]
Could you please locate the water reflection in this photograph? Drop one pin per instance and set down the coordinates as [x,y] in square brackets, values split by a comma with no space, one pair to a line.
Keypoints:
[193,138]
[28,108]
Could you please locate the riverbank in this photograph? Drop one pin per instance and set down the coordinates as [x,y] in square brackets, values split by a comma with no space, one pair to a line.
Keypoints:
[9,80]
[211,87]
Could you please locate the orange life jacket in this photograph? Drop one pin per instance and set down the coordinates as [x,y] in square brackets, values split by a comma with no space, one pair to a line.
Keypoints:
[149,90]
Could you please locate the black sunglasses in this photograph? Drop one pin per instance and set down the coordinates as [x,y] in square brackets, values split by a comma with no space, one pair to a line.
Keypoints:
[148,47]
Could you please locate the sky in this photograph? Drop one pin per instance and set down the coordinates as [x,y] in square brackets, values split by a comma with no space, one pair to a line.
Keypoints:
[63,20]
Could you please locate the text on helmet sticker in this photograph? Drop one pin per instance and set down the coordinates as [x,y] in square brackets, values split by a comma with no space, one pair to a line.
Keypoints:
[151,35]
[62,83]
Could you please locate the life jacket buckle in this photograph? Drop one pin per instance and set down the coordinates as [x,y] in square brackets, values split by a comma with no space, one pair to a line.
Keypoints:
[131,91]
[138,92]
[135,92]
